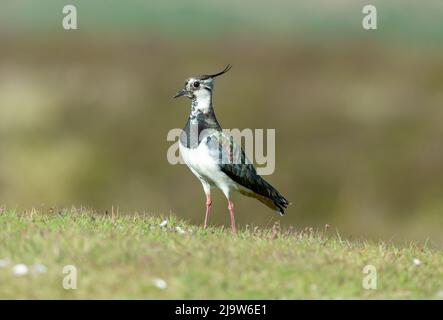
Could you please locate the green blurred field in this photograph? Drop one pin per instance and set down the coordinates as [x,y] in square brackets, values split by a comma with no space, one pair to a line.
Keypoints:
[126,256]
[84,115]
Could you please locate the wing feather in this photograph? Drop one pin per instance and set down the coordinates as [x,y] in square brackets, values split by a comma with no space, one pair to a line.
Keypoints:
[234,163]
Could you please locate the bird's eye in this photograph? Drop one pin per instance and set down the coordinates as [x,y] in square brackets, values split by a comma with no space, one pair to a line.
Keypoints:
[196,84]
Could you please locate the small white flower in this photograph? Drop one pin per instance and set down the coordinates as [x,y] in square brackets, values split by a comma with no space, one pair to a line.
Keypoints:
[164,223]
[20,269]
[180,230]
[4,262]
[160,283]
[417,262]
[39,268]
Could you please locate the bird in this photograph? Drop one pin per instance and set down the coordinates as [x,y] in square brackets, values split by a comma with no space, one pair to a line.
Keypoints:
[213,156]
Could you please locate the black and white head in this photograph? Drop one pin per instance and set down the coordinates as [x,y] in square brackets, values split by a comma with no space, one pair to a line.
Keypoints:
[200,86]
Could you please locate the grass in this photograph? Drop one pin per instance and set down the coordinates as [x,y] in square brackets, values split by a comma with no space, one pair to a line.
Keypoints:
[124,256]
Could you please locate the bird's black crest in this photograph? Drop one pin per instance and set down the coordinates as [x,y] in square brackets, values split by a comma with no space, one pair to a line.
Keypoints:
[207,76]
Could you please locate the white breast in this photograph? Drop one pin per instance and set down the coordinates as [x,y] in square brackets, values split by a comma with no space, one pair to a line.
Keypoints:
[205,166]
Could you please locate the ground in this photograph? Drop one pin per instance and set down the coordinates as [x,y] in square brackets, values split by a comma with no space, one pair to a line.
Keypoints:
[143,257]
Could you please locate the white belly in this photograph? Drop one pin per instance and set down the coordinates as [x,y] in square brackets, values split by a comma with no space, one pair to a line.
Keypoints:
[205,166]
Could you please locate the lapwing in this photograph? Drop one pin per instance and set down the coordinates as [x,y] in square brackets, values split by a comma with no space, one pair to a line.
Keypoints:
[213,156]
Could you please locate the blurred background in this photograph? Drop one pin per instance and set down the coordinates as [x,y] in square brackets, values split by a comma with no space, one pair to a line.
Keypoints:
[358,114]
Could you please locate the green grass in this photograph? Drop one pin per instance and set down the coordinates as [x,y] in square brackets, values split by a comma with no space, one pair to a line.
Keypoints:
[120,256]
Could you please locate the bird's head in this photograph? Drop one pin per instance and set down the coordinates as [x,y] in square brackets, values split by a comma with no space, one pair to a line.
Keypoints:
[200,85]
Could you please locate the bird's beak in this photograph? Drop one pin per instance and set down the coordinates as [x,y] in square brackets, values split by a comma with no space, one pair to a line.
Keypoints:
[182,92]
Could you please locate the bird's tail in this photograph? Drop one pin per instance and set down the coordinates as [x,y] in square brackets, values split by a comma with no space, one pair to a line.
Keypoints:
[270,197]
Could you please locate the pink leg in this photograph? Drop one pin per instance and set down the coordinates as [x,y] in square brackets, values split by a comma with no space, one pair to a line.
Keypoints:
[208,208]
[231,212]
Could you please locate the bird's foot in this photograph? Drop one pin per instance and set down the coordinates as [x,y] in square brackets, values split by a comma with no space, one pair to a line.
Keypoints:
[208,209]
[231,213]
